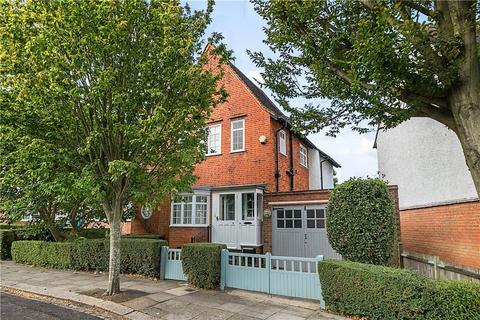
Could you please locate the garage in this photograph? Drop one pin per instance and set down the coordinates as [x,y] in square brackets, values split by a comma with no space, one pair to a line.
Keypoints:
[300,231]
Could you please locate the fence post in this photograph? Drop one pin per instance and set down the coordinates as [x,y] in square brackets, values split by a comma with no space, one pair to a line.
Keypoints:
[163,261]
[322,302]
[268,266]
[223,268]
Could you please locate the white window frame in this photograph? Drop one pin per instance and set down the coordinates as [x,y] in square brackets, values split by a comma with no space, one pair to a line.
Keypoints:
[303,151]
[282,142]
[194,211]
[219,138]
[231,135]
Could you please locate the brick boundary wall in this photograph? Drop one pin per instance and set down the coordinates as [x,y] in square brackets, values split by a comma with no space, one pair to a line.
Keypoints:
[450,231]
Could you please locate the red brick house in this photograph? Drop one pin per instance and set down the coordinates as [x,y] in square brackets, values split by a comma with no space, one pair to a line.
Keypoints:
[261,186]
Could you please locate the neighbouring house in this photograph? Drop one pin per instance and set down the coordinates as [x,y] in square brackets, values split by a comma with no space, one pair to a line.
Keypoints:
[440,211]
[261,187]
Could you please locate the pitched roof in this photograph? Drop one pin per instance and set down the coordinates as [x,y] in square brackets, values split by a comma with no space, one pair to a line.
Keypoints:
[275,111]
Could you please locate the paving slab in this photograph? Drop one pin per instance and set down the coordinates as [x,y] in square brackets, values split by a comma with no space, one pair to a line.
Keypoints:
[165,299]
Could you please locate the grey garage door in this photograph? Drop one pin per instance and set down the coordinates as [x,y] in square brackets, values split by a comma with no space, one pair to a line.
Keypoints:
[300,231]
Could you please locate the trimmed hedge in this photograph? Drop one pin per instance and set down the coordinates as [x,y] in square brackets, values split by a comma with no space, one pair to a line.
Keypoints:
[201,263]
[6,239]
[144,236]
[360,221]
[138,256]
[378,292]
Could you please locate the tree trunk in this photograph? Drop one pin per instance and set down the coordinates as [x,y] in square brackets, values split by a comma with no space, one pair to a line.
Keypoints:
[466,112]
[115,221]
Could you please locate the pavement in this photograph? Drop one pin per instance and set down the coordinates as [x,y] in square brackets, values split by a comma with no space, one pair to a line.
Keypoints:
[18,308]
[146,299]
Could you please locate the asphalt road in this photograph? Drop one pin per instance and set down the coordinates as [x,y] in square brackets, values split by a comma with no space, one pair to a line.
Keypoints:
[18,308]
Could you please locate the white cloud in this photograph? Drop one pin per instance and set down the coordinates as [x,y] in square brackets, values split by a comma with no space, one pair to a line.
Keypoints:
[354,152]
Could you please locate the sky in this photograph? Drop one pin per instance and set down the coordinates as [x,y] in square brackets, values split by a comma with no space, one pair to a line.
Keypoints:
[242,29]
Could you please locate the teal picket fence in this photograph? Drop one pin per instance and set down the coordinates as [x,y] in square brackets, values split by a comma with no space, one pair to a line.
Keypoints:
[286,276]
[171,264]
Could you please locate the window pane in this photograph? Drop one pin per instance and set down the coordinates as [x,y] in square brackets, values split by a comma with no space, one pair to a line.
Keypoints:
[280,214]
[288,214]
[310,213]
[201,213]
[176,213]
[237,135]
[227,207]
[213,141]
[321,224]
[310,224]
[248,203]
[282,143]
[298,224]
[289,224]
[187,213]
[298,214]
[320,214]
[280,224]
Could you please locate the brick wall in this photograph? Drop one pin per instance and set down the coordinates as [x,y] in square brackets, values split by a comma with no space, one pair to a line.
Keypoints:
[451,232]
[181,235]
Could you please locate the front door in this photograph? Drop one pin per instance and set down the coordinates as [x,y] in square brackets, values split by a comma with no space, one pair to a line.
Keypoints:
[236,220]
[301,231]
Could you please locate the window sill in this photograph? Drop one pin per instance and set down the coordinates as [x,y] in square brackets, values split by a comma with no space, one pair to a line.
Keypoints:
[189,225]
[237,151]
[301,165]
[213,154]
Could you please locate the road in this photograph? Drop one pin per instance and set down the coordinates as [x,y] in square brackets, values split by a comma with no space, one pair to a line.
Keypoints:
[18,308]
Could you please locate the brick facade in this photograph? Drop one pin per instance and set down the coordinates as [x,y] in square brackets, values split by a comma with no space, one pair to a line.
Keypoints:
[256,165]
[451,232]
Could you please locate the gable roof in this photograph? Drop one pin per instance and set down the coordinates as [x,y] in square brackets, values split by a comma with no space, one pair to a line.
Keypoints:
[276,113]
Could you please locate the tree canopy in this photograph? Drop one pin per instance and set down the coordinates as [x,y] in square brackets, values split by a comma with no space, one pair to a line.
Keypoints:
[124,89]
[378,61]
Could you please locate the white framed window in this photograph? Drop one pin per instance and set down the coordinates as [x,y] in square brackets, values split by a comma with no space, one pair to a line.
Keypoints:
[238,135]
[214,140]
[282,142]
[190,210]
[227,207]
[303,156]
[248,206]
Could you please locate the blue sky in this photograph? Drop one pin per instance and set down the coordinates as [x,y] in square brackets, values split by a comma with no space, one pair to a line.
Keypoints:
[242,28]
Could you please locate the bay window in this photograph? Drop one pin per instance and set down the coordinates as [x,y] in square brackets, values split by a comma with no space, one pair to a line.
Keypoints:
[190,210]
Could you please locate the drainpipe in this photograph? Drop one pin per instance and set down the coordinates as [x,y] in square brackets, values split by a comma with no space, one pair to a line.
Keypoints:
[321,172]
[277,170]
[291,173]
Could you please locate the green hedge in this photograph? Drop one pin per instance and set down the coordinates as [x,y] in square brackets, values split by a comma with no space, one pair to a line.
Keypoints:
[360,221]
[43,253]
[378,292]
[6,239]
[138,256]
[201,263]
[144,236]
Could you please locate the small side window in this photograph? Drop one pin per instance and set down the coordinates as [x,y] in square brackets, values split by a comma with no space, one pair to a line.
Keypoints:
[303,156]
[282,142]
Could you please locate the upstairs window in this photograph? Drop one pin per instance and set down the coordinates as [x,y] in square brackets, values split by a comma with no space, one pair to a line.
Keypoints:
[238,135]
[303,156]
[214,141]
[282,142]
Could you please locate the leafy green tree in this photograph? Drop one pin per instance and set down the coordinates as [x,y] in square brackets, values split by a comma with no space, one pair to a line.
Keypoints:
[39,172]
[383,61]
[128,79]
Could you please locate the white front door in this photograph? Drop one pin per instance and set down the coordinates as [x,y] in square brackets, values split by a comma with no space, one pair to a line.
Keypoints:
[236,221]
